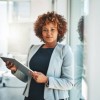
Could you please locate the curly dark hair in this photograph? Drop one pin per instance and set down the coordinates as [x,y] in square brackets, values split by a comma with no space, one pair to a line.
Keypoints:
[51,17]
[81,28]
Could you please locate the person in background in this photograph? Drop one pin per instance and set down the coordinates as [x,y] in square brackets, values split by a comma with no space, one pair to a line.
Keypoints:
[51,62]
[76,92]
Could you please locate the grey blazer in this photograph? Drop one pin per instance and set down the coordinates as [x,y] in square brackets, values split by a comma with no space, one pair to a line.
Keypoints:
[60,73]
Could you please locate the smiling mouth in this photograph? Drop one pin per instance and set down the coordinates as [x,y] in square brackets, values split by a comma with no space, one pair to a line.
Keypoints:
[48,37]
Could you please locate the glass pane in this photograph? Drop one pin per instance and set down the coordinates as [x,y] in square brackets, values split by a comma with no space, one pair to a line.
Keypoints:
[19,11]
[79,92]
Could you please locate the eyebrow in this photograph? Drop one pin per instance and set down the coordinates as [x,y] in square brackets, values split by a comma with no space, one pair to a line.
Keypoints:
[50,27]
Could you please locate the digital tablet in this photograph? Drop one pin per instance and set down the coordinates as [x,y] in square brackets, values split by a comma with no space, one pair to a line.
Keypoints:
[18,64]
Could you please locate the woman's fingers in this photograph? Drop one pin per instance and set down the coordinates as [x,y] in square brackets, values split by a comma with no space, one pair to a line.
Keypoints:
[39,77]
[34,74]
[11,66]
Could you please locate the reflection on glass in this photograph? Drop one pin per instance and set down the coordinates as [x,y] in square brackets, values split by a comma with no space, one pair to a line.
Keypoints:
[79,90]
[79,50]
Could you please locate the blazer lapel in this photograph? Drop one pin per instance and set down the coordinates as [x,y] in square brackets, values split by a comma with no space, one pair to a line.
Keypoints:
[54,59]
[33,51]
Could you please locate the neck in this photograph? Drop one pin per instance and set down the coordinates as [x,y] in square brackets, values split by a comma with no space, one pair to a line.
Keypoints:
[50,45]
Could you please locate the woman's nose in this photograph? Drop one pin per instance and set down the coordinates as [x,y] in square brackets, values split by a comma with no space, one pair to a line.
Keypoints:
[48,32]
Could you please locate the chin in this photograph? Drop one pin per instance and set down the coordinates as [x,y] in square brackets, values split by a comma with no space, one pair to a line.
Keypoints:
[49,41]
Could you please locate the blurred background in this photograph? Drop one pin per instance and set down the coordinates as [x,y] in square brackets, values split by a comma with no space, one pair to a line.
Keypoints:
[16,35]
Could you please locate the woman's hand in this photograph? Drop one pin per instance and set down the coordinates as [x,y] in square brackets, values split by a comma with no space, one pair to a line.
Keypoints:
[11,66]
[39,77]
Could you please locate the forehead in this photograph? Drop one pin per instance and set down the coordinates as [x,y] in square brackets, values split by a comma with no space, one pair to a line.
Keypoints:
[50,25]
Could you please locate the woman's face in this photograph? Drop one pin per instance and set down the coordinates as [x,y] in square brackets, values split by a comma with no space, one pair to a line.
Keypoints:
[50,33]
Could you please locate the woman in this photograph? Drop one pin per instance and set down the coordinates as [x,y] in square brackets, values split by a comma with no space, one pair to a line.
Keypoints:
[51,62]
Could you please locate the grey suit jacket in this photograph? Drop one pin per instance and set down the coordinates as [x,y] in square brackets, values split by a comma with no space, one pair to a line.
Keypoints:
[60,73]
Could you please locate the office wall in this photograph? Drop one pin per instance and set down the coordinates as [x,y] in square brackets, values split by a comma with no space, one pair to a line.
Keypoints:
[92,31]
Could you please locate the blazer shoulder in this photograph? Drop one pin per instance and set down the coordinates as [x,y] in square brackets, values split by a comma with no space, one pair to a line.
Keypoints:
[64,46]
[66,49]
[35,46]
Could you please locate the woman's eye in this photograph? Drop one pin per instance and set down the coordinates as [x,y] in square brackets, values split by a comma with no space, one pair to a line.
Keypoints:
[44,30]
[52,29]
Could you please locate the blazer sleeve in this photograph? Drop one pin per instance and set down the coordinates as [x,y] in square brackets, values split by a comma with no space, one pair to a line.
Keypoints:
[65,81]
[20,75]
